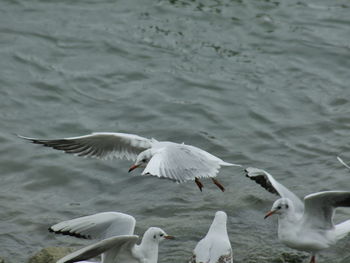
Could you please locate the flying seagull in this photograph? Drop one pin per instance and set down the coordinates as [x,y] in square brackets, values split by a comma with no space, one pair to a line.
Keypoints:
[308,225]
[174,161]
[117,240]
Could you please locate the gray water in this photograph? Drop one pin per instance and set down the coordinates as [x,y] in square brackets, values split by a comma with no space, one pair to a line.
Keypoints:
[259,83]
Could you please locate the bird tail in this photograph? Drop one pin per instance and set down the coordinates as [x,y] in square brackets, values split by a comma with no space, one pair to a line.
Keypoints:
[342,229]
[229,164]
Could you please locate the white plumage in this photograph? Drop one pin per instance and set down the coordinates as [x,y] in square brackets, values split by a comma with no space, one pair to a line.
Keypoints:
[308,225]
[215,247]
[174,161]
[118,243]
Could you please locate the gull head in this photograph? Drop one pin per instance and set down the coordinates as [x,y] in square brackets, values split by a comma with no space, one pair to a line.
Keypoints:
[142,159]
[220,217]
[156,234]
[219,223]
[280,207]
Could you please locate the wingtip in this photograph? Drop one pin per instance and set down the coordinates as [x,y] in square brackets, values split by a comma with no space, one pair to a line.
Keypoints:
[24,137]
[342,162]
[248,171]
[67,233]
[252,171]
[19,136]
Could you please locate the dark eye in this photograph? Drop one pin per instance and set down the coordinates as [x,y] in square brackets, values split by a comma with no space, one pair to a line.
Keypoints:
[287,206]
[161,235]
[144,160]
[279,207]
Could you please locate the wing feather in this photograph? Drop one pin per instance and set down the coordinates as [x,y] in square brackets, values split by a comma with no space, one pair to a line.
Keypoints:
[124,242]
[100,226]
[267,181]
[319,207]
[101,145]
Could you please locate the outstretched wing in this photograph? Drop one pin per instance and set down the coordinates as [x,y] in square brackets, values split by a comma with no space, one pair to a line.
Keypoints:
[101,145]
[97,226]
[119,244]
[319,208]
[179,162]
[266,180]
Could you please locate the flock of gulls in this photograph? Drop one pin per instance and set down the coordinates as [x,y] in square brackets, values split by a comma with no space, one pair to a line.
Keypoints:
[305,225]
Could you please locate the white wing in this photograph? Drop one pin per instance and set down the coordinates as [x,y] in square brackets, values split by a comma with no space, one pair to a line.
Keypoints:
[270,184]
[101,145]
[319,207]
[180,163]
[100,226]
[119,244]
[342,162]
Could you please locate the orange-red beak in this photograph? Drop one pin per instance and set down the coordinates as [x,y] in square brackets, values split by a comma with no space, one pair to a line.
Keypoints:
[133,167]
[270,213]
[169,237]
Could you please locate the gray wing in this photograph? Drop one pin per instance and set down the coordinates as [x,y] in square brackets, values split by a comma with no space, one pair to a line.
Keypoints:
[180,163]
[101,145]
[116,243]
[266,180]
[319,207]
[97,226]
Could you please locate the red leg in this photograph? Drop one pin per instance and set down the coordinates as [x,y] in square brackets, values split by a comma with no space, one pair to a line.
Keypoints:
[199,184]
[313,259]
[216,182]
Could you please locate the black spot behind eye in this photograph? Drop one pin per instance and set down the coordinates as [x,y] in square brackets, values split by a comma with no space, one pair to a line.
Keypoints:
[287,206]
[154,236]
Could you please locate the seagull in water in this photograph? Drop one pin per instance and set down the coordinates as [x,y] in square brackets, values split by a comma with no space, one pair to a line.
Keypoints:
[118,242]
[174,161]
[215,247]
[308,225]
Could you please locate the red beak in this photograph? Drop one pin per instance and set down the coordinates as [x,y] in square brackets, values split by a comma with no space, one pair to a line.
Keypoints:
[270,213]
[169,237]
[133,167]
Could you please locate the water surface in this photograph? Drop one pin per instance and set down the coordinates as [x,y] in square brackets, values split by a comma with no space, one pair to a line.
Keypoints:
[260,83]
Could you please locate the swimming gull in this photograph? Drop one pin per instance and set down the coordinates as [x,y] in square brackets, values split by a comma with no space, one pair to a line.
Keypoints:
[174,161]
[118,242]
[308,225]
[215,247]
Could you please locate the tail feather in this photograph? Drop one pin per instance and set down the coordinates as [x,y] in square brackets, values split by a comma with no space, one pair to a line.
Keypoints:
[342,229]
[229,164]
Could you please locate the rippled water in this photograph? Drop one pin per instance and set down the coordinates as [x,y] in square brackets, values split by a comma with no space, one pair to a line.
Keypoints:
[260,83]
